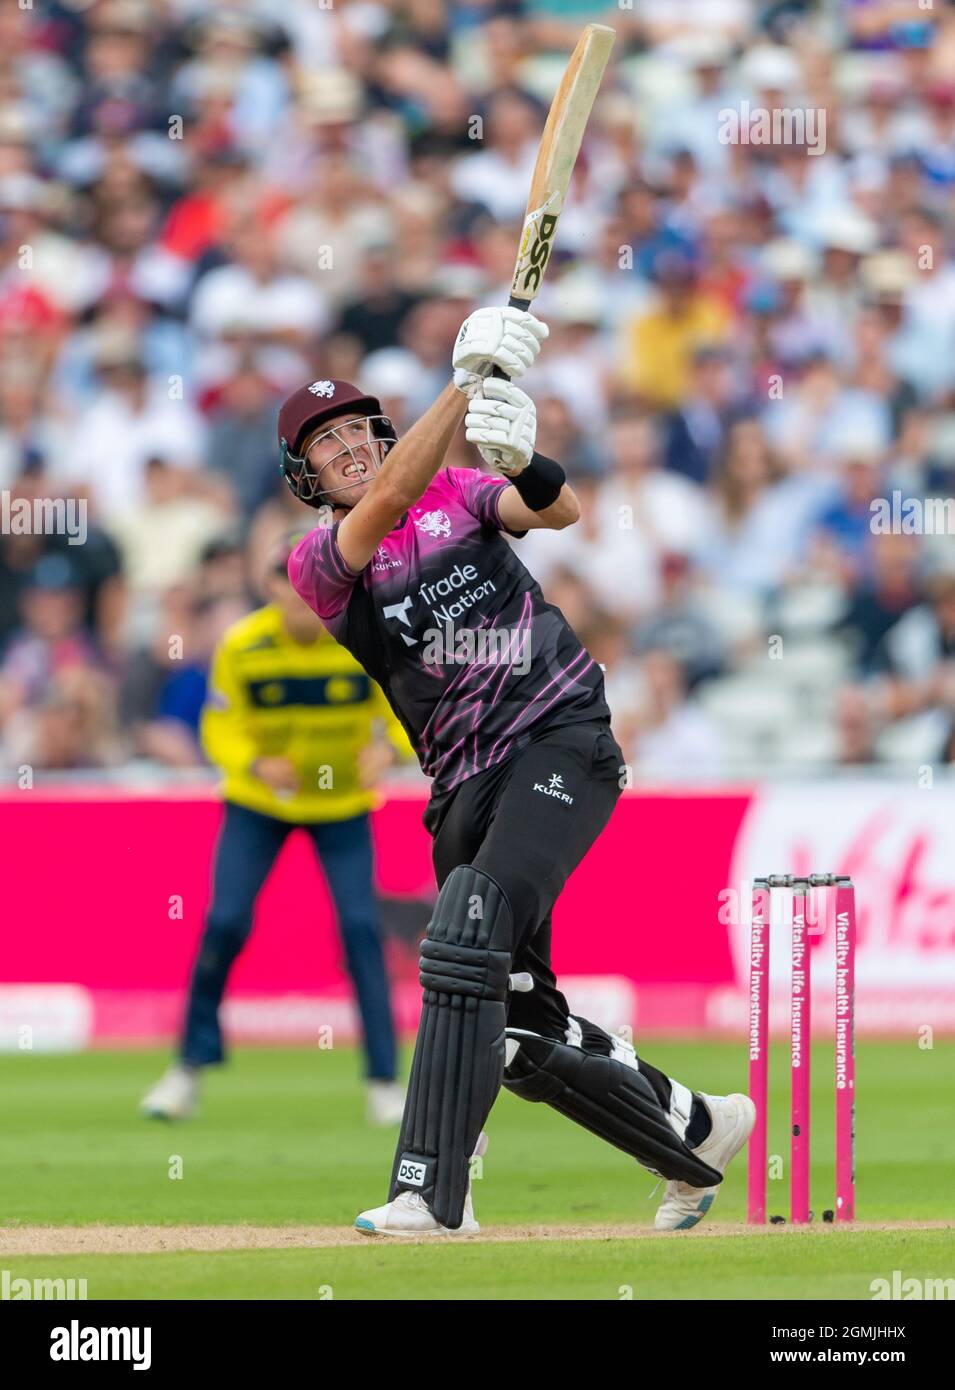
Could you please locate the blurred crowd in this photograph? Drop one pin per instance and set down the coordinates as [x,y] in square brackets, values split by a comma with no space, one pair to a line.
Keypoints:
[203,205]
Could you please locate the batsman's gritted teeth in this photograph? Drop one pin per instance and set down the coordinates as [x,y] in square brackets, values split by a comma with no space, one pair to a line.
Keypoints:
[341,456]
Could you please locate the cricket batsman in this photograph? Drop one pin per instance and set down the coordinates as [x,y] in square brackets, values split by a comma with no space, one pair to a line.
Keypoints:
[507,715]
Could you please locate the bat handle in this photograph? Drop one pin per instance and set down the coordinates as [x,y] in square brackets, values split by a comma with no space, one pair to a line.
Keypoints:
[512,303]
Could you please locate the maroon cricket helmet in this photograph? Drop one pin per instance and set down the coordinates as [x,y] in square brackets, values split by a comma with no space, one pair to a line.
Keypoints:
[305,411]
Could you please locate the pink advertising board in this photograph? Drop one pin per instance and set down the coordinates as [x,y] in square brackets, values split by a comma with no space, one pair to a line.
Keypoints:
[104,894]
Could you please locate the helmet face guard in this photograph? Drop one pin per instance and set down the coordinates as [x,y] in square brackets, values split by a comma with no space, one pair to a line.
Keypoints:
[305,481]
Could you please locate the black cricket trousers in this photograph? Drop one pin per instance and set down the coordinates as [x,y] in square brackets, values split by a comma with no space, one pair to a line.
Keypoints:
[527,823]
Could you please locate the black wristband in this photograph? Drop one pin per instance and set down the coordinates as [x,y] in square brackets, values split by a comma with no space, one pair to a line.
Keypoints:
[539,484]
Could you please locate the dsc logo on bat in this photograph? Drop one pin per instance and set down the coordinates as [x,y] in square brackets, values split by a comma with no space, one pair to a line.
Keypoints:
[539,252]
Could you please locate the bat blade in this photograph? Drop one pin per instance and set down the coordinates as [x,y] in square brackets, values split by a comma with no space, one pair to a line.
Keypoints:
[559,146]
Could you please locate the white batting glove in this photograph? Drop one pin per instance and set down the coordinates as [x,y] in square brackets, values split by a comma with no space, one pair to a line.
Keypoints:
[502,422]
[468,382]
[498,337]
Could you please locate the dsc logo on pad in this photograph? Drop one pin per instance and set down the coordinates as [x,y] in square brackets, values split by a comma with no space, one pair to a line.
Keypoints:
[413,1173]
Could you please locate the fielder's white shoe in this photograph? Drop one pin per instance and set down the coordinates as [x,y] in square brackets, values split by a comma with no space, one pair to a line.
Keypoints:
[386,1103]
[174,1096]
[410,1215]
[733,1119]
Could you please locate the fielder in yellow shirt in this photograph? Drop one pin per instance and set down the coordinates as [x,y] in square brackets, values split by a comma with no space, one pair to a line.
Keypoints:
[301,735]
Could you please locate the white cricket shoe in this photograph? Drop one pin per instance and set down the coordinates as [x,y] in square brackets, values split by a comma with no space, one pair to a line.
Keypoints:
[174,1096]
[733,1119]
[386,1103]
[410,1215]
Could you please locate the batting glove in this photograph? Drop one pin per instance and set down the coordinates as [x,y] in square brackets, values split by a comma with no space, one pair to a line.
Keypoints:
[502,422]
[468,382]
[498,337]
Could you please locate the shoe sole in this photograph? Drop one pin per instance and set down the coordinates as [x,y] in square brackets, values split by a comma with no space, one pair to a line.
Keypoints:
[368,1229]
[695,1217]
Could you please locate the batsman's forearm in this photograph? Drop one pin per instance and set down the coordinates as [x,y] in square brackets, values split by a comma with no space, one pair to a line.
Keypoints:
[418,455]
[564,512]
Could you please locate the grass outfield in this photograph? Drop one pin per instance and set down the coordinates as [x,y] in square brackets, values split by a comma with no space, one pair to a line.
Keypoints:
[785,1267]
[281,1142]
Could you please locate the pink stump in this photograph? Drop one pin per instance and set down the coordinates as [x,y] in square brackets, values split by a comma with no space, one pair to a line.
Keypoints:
[845,1050]
[799,1057]
[758,1050]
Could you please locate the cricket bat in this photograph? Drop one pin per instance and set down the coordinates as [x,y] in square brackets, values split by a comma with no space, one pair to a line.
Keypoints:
[559,146]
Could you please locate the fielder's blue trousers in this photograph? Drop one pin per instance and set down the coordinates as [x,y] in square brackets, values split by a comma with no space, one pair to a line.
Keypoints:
[248,846]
